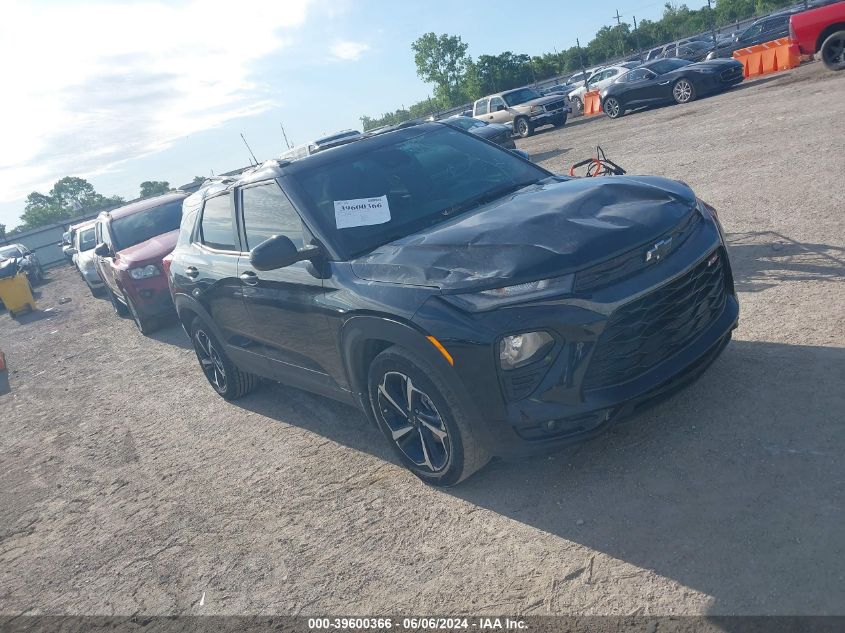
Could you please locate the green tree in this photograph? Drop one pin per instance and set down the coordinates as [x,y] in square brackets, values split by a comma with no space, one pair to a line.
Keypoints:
[151,188]
[70,197]
[442,60]
[503,71]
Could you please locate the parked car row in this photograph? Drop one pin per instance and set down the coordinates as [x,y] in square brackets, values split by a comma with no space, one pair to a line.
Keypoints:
[469,302]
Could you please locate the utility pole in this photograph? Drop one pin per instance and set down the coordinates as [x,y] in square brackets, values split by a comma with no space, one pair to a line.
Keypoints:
[618,19]
[287,142]
[249,148]
[712,21]
[581,59]
[637,39]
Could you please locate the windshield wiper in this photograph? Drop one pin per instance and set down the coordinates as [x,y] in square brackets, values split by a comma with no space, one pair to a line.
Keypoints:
[486,197]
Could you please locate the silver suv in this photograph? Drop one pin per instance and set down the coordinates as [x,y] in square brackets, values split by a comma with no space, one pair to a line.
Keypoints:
[524,109]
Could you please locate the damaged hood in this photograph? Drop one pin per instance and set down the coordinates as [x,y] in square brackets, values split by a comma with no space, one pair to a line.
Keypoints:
[544,230]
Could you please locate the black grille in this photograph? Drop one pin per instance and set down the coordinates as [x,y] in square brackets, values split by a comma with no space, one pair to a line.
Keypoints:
[731,73]
[555,105]
[630,263]
[645,332]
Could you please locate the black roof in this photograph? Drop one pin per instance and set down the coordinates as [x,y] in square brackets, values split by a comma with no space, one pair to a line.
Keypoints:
[352,146]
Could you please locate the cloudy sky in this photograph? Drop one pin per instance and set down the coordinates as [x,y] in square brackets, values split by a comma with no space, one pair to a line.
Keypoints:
[122,91]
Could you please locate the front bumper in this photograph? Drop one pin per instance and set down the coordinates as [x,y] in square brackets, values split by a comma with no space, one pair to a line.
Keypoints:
[150,296]
[561,404]
[547,118]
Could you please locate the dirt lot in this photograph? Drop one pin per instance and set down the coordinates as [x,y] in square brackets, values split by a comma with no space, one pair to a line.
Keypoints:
[128,486]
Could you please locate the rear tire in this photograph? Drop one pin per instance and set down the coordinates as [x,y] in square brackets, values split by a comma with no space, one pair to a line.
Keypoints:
[119,308]
[523,127]
[431,434]
[222,374]
[833,51]
[578,105]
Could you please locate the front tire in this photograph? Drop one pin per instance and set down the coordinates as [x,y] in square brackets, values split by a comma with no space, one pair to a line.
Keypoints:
[222,374]
[833,51]
[523,127]
[423,418]
[683,91]
[119,309]
[613,108]
[578,104]
[146,325]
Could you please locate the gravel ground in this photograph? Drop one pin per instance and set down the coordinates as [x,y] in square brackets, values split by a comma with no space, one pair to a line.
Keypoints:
[129,487]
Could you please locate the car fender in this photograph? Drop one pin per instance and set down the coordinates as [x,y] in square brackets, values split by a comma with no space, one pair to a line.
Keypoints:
[358,330]
[188,308]
[362,337]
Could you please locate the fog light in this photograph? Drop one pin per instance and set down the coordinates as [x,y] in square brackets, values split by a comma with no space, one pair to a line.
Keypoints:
[520,349]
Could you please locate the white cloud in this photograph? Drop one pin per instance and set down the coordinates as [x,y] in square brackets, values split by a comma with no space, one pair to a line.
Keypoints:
[91,85]
[348,50]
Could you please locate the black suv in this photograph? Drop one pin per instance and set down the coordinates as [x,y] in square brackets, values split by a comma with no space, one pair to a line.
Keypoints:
[470,302]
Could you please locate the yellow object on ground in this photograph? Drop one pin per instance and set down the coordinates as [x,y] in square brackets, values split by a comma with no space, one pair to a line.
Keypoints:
[16,294]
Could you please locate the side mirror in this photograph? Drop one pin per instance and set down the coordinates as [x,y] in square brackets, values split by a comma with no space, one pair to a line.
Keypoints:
[102,250]
[72,251]
[500,107]
[278,252]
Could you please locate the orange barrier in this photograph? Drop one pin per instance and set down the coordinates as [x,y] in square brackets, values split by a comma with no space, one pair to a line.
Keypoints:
[771,57]
[592,103]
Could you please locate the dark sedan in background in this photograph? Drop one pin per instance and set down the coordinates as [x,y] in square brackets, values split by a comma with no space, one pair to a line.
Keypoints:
[667,80]
[494,132]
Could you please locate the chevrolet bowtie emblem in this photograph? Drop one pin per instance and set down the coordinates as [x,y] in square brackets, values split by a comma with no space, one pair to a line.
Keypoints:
[659,250]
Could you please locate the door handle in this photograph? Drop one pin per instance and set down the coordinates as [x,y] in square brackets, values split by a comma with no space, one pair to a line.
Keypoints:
[249,278]
[191,272]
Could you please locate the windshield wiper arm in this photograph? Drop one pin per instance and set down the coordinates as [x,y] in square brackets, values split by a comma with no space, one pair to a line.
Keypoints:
[486,197]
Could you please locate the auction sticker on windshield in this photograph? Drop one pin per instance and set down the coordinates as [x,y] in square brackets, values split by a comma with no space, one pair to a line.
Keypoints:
[361,212]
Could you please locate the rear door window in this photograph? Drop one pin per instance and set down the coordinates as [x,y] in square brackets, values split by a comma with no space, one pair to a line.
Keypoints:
[481,106]
[216,227]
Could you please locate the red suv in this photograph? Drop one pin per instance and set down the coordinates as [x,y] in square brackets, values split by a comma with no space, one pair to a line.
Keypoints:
[131,242]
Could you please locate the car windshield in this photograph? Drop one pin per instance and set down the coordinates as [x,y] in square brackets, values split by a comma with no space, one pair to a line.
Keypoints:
[139,227]
[465,123]
[87,240]
[9,251]
[520,96]
[409,185]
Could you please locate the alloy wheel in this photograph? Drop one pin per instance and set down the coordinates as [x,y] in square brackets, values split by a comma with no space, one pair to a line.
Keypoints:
[210,361]
[414,423]
[682,91]
[611,108]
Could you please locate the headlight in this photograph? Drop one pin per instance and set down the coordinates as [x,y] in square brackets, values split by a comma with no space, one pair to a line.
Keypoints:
[507,295]
[150,270]
[521,349]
